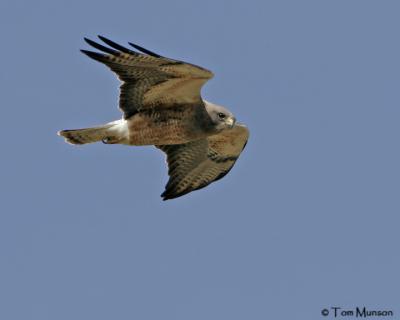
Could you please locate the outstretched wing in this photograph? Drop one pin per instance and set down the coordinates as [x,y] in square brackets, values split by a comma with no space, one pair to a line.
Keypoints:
[194,165]
[149,79]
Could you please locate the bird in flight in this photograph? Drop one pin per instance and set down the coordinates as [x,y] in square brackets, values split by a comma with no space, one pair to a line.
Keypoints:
[162,106]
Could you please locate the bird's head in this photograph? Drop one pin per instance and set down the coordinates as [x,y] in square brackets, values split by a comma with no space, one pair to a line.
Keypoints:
[221,117]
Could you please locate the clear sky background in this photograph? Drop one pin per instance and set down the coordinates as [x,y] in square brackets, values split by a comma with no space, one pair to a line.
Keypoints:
[307,219]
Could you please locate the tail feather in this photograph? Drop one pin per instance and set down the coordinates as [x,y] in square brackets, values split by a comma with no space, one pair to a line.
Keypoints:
[89,135]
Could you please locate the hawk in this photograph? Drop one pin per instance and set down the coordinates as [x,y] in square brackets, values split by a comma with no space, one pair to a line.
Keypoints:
[162,106]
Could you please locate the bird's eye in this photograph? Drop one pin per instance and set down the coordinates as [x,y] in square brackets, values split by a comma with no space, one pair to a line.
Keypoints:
[221,115]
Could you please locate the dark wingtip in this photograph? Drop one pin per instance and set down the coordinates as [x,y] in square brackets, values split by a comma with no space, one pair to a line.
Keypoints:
[164,196]
[167,195]
[100,47]
[115,45]
[102,38]
[118,47]
[90,42]
[141,49]
[94,55]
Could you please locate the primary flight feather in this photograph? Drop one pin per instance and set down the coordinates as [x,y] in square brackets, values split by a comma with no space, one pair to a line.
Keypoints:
[162,106]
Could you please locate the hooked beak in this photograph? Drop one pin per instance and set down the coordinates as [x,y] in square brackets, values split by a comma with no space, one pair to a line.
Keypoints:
[231,122]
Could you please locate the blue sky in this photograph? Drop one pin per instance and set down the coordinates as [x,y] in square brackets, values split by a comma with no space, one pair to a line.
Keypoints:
[307,219]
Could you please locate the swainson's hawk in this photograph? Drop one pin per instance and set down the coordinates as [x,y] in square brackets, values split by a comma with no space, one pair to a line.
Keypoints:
[162,106]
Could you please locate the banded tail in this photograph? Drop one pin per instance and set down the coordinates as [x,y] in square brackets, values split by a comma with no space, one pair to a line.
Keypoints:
[108,133]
